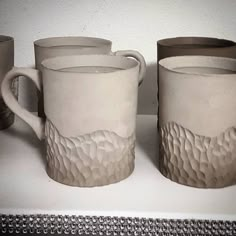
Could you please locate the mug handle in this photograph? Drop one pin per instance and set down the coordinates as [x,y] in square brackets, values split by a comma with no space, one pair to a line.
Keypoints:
[35,122]
[136,55]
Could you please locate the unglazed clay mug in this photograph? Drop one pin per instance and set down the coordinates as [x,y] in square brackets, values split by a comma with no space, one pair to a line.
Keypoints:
[197,118]
[6,64]
[90,104]
[182,46]
[66,46]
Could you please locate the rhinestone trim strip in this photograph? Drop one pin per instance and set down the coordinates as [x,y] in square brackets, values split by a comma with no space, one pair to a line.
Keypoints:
[117,226]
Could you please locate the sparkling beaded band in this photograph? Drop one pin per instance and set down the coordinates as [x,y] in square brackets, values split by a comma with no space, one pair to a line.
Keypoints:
[120,226]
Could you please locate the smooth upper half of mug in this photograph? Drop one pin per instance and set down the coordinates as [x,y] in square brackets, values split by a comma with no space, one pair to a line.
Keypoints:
[199,65]
[6,40]
[72,41]
[198,93]
[90,64]
[97,91]
[195,42]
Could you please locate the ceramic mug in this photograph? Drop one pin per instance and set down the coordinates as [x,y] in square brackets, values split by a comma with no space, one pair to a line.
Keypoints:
[182,46]
[90,104]
[197,120]
[66,46]
[6,64]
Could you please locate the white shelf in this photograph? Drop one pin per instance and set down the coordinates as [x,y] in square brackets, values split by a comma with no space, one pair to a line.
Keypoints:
[25,187]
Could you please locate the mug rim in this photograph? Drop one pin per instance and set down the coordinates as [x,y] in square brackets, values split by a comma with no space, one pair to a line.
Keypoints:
[169,64]
[211,42]
[51,63]
[5,38]
[50,42]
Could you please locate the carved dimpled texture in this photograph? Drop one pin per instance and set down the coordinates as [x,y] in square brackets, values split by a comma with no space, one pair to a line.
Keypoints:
[94,159]
[6,115]
[198,161]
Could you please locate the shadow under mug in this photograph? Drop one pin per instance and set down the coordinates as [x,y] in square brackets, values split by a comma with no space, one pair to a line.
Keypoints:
[72,45]
[90,104]
[197,118]
[6,64]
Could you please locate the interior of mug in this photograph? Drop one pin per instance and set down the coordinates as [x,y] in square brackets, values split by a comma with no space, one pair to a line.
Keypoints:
[196,42]
[89,63]
[4,38]
[200,65]
[72,41]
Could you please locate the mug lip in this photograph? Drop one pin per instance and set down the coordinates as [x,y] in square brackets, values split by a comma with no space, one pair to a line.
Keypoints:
[5,38]
[47,63]
[48,42]
[212,42]
[165,64]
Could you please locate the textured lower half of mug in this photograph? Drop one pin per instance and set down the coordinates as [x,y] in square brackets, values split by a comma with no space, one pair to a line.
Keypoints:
[198,161]
[94,159]
[6,115]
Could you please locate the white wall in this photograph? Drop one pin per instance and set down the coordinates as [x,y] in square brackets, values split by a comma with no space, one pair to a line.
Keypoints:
[130,24]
